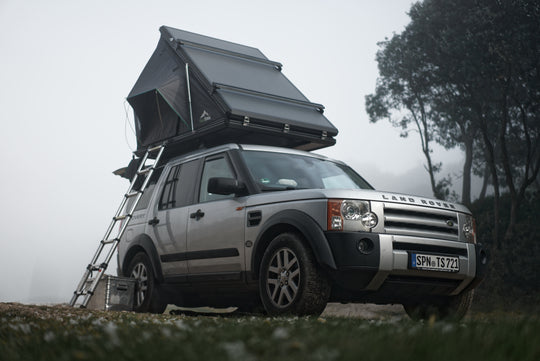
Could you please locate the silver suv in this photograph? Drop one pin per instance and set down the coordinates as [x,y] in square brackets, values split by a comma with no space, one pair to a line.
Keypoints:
[286,231]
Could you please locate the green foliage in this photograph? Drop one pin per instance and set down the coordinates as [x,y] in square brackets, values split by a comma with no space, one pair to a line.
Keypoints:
[513,280]
[465,73]
[63,333]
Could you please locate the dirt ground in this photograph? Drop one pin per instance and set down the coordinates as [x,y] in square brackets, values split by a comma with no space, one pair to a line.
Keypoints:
[361,311]
[364,311]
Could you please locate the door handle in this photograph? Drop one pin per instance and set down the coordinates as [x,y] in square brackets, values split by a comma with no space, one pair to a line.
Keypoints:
[197,215]
[153,221]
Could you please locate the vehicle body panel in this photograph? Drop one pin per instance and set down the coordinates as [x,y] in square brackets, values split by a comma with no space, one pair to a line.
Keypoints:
[214,240]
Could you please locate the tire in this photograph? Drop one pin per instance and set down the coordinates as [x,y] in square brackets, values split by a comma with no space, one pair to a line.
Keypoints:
[147,296]
[290,281]
[453,308]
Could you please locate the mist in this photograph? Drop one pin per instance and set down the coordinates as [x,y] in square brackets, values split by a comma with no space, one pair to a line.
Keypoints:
[67,68]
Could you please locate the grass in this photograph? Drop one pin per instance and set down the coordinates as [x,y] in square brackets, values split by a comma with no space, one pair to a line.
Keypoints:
[64,333]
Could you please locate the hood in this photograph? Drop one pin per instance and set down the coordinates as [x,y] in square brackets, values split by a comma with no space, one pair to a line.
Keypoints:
[364,194]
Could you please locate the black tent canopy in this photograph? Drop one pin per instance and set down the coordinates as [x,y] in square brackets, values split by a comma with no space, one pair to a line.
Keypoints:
[201,91]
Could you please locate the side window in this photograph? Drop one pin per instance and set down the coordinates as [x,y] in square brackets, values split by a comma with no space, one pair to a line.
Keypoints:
[178,188]
[214,167]
[167,199]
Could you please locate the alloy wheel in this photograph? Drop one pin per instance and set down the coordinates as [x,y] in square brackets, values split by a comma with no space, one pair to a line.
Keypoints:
[283,278]
[140,273]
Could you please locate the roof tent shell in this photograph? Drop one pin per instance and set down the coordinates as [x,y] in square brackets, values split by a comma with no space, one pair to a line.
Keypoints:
[197,91]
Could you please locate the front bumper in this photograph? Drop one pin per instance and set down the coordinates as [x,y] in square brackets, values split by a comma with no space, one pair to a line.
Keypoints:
[385,267]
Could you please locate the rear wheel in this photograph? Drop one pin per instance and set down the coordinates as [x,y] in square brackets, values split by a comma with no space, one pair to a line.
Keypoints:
[450,308]
[290,280]
[147,296]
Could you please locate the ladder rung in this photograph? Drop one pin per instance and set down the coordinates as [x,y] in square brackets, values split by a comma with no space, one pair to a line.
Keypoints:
[84,292]
[121,218]
[133,194]
[92,267]
[109,241]
[144,171]
[158,147]
[97,267]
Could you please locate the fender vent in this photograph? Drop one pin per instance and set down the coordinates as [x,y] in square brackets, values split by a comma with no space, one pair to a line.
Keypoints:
[254,218]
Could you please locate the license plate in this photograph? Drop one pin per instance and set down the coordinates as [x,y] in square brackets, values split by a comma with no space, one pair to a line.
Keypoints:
[432,262]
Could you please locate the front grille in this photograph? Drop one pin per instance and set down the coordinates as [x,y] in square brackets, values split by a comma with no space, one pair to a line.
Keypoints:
[420,221]
[428,248]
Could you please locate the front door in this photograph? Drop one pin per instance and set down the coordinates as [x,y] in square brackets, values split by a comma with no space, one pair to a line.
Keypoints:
[215,241]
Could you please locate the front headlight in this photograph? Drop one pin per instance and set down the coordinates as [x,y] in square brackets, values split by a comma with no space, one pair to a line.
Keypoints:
[350,215]
[353,210]
[469,229]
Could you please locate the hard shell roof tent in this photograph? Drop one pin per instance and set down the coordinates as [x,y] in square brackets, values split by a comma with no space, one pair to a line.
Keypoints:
[197,91]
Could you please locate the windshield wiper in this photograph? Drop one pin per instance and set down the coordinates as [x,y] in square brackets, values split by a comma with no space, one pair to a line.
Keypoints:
[277,189]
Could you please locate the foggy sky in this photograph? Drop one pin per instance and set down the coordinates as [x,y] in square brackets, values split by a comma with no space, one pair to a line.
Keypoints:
[67,67]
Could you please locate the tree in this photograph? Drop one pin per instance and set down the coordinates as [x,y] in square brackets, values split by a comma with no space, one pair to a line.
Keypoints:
[413,67]
[403,86]
[475,66]
[516,48]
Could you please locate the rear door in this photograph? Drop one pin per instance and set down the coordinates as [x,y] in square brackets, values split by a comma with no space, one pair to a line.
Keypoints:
[215,241]
[169,224]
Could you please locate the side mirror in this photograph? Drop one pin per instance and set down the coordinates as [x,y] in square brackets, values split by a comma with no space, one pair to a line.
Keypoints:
[226,186]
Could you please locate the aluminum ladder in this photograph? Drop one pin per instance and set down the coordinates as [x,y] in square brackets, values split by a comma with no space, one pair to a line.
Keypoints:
[108,245]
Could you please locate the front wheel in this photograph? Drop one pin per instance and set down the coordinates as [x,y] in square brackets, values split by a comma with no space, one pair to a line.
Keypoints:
[147,297]
[450,308]
[290,281]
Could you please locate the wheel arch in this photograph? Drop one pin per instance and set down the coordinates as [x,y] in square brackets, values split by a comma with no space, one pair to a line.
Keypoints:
[292,221]
[143,243]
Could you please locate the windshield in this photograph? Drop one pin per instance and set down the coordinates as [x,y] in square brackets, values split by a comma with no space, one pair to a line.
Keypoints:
[279,171]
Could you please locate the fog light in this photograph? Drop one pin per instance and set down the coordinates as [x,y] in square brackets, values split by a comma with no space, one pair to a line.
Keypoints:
[365,246]
[370,220]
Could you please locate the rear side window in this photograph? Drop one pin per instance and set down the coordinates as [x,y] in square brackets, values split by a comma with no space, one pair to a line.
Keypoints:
[167,199]
[178,188]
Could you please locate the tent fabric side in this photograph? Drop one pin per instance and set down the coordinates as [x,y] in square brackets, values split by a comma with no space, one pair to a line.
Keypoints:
[154,119]
[160,99]
[159,85]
